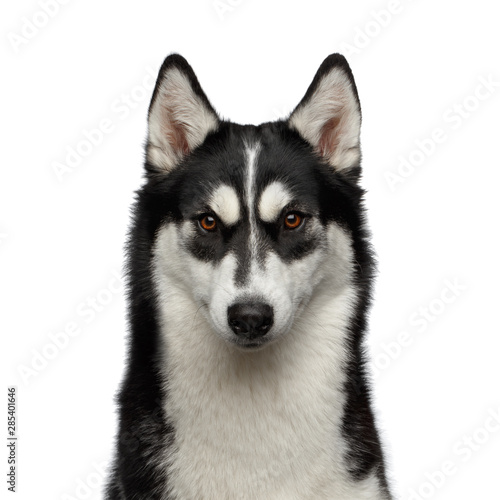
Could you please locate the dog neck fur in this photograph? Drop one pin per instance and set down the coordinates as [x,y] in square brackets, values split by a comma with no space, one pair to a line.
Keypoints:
[285,403]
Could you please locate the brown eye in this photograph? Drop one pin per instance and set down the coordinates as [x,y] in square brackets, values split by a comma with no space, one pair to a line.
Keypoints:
[292,220]
[208,223]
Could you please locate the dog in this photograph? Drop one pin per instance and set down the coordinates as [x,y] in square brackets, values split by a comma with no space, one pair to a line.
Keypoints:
[250,275]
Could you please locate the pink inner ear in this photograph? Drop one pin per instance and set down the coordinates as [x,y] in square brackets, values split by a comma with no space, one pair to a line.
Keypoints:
[329,136]
[174,132]
[179,140]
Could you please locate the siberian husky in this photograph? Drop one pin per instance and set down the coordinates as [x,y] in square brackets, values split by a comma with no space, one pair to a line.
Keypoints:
[249,279]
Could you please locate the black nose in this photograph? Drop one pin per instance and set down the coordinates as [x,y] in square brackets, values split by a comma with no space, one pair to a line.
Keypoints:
[250,320]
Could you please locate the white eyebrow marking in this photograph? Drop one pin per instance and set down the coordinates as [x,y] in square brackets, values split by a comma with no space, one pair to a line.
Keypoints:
[272,201]
[224,202]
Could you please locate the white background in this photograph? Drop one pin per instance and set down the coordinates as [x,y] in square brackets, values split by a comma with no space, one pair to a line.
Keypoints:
[62,236]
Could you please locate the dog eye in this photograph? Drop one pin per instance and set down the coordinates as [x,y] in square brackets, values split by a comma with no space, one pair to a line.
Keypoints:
[207,222]
[293,220]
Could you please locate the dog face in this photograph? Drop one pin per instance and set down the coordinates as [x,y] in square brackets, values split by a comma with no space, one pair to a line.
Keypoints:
[247,222]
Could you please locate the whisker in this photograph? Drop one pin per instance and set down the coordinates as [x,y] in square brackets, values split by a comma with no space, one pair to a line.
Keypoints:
[196,313]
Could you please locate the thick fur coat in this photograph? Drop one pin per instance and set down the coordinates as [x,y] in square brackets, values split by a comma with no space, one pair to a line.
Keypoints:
[249,280]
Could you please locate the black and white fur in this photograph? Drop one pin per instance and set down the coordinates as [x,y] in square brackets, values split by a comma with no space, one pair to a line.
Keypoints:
[209,414]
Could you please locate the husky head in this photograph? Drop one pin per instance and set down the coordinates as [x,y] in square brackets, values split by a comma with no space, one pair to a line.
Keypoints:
[245,224]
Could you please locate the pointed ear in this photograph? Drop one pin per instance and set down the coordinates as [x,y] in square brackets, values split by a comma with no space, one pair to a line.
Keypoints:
[180,115]
[329,115]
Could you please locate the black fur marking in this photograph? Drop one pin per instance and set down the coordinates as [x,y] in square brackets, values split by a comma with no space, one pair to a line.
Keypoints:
[240,246]
[343,201]
[144,428]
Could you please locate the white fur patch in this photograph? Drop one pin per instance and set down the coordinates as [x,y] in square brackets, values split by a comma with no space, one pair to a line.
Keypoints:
[252,153]
[272,201]
[225,203]
[333,102]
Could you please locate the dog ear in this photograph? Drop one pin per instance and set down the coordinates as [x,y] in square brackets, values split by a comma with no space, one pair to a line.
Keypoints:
[180,115]
[329,116]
